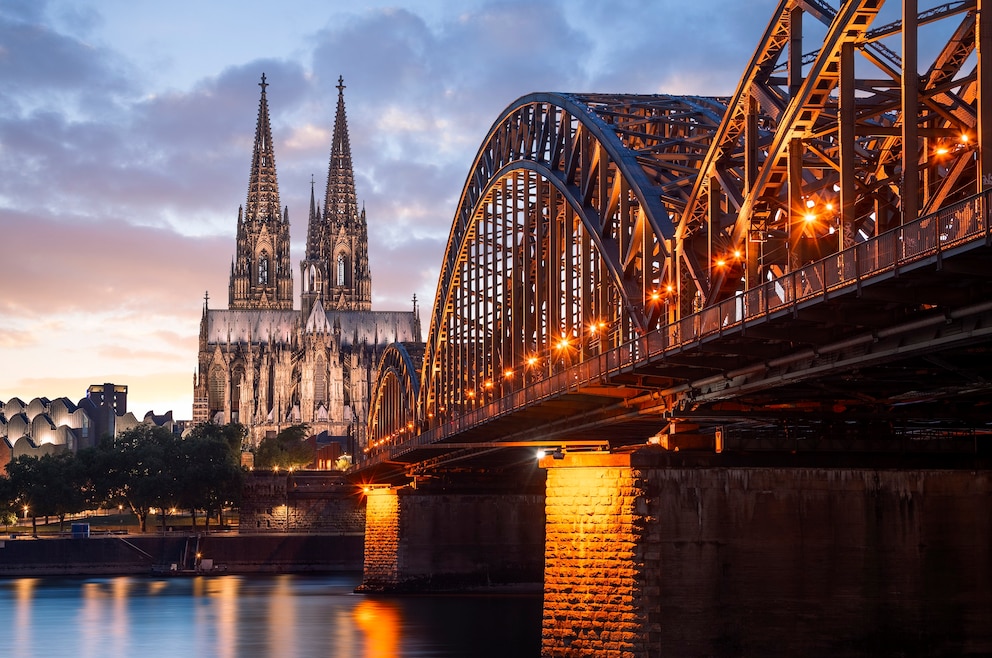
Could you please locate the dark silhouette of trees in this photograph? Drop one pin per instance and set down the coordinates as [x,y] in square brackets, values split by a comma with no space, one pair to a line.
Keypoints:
[50,485]
[287,449]
[144,467]
[212,477]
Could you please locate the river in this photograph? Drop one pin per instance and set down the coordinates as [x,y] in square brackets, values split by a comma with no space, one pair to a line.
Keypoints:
[240,616]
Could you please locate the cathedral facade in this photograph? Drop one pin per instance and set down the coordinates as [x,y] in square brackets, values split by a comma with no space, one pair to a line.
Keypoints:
[267,365]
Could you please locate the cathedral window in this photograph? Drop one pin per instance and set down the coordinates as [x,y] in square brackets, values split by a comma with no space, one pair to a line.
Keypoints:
[263,270]
[341,278]
[216,389]
[320,382]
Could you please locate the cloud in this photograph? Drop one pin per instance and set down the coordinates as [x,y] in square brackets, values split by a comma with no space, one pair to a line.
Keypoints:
[119,189]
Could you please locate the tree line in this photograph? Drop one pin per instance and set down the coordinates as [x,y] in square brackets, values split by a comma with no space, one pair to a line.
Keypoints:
[143,468]
[147,467]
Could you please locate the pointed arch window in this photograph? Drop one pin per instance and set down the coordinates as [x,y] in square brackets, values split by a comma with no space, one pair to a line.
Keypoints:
[263,269]
[341,270]
[320,382]
[215,389]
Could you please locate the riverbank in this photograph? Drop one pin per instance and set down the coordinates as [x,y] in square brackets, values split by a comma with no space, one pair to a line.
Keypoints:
[143,554]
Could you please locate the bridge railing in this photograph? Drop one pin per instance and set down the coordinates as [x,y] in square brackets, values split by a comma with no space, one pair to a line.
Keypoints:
[928,236]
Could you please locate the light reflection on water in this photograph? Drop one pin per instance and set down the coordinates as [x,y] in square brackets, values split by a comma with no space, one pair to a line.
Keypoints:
[235,616]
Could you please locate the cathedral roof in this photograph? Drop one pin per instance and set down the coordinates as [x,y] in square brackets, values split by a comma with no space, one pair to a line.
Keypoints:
[242,326]
[375,327]
[269,326]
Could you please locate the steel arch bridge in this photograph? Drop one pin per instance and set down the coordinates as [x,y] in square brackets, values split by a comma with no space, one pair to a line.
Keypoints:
[594,229]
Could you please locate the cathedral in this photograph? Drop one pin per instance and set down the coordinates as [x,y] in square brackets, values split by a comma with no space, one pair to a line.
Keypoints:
[268,366]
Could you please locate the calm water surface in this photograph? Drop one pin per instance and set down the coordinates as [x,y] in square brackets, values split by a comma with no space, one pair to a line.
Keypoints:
[256,616]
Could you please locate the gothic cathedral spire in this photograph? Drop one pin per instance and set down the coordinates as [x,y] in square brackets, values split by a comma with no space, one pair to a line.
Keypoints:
[336,269]
[261,274]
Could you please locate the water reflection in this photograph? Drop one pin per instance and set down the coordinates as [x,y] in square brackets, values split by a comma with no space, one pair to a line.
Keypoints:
[379,622]
[233,616]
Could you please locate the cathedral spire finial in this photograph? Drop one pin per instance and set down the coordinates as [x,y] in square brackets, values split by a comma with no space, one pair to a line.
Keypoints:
[262,277]
[341,85]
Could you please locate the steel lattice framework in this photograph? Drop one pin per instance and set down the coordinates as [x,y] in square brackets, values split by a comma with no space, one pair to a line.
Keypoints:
[589,221]
[811,157]
[561,239]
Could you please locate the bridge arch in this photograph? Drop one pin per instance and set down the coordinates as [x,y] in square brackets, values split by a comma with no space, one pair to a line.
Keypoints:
[561,242]
[395,387]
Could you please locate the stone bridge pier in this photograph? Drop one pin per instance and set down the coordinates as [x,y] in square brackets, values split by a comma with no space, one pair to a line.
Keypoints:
[654,553]
[454,532]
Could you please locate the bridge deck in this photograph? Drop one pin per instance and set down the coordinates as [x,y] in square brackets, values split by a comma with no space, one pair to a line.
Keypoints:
[894,329]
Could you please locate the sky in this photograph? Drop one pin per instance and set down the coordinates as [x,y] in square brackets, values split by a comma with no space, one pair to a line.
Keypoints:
[126,131]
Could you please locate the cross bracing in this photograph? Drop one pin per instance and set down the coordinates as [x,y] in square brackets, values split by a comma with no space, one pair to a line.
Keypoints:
[589,224]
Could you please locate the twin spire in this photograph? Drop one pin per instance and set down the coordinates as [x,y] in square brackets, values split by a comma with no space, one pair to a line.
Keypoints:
[335,269]
[263,187]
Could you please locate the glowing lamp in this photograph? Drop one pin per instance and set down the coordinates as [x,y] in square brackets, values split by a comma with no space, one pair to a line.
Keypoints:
[809,217]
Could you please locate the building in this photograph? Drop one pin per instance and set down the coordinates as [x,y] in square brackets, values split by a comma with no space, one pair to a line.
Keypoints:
[268,366]
[45,426]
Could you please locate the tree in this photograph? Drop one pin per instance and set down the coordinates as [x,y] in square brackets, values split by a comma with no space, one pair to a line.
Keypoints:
[54,484]
[140,467]
[287,449]
[212,476]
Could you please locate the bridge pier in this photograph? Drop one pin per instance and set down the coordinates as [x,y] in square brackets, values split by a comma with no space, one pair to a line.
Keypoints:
[453,534]
[656,553]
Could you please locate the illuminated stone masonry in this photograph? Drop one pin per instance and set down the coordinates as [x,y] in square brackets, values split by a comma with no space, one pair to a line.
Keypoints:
[670,554]
[424,539]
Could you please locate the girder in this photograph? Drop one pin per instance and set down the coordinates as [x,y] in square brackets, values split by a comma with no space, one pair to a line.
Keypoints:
[621,258]
[564,227]
[821,135]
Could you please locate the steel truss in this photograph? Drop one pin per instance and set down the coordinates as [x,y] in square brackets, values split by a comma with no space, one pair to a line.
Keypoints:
[587,221]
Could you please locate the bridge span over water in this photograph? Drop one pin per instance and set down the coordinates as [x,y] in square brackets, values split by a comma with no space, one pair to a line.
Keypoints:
[795,261]
[753,333]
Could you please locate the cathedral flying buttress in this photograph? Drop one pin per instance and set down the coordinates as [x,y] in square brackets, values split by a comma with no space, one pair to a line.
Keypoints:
[268,366]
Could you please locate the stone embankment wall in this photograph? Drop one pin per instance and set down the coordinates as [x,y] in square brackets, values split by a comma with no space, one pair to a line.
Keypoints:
[303,501]
[142,554]
[649,554]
